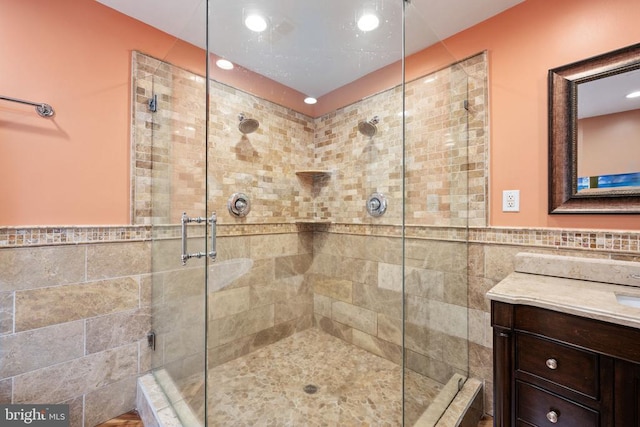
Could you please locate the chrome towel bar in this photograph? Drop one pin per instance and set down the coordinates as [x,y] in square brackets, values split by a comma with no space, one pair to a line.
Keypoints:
[44,110]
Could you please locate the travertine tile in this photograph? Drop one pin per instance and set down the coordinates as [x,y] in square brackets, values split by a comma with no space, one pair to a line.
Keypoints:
[77,376]
[109,260]
[390,329]
[322,305]
[382,348]
[336,329]
[356,317]
[246,323]
[115,330]
[292,265]
[390,276]
[273,246]
[5,391]
[423,340]
[332,288]
[293,308]
[6,313]
[499,261]
[31,350]
[183,283]
[280,290]
[76,411]
[29,268]
[115,398]
[425,283]
[382,301]
[89,299]
[229,301]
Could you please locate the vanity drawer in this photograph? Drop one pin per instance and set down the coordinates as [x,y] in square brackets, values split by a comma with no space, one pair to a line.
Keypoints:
[561,364]
[539,408]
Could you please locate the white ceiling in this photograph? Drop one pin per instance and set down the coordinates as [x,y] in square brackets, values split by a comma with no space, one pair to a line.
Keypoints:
[312,46]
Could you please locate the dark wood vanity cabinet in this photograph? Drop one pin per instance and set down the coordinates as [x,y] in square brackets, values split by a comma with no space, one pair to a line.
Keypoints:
[556,369]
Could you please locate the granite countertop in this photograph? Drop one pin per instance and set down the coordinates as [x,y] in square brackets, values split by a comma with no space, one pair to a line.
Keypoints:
[590,299]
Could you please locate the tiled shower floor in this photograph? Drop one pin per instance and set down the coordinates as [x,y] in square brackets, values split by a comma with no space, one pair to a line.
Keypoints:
[266,388]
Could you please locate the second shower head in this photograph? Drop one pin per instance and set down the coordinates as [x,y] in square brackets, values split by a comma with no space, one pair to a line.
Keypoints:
[369,128]
[246,125]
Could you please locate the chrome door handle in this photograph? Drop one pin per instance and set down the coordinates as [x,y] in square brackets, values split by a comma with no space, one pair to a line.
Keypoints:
[212,252]
[185,256]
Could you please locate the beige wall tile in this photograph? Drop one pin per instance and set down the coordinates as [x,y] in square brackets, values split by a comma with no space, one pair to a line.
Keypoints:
[42,307]
[29,268]
[425,283]
[229,301]
[115,330]
[355,270]
[292,265]
[5,391]
[76,411]
[382,301]
[109,260]
[390,276]
[338,330]
[322,305]
[337,289]
[356,317]
[116,398]
[246,323]
[31,350]
[6,313]
[499,261]
[390,329]
[293,308]
[76,377]
[377,346]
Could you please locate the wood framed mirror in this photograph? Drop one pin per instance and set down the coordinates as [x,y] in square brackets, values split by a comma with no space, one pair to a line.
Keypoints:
[594,134]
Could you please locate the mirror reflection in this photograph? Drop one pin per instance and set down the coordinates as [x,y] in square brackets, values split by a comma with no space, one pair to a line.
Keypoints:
[608,125]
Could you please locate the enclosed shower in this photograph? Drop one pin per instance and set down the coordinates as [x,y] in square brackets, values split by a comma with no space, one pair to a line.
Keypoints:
[325,281]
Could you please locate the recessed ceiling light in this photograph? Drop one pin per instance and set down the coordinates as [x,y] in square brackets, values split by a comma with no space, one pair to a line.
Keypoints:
[255,23]
[634,94]
[368,22]
[224,64]
[309,100]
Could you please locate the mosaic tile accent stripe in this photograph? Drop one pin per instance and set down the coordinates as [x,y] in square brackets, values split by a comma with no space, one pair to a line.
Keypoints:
[609,240]
[598,240]
[41,236]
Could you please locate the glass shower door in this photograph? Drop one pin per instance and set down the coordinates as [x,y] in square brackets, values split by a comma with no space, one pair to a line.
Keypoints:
[170,154]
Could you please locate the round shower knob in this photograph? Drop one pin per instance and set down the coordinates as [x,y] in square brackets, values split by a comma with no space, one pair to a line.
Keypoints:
[376,204]
[239,204]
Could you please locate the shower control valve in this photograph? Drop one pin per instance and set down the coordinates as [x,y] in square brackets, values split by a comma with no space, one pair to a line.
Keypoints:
[377,204]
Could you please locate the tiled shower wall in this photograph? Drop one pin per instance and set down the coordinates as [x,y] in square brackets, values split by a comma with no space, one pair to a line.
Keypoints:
[73,318]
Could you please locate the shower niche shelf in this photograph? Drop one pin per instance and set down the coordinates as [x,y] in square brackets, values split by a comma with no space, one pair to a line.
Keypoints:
[313,173]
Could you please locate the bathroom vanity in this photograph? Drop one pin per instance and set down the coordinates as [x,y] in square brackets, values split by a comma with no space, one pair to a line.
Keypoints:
[567,344]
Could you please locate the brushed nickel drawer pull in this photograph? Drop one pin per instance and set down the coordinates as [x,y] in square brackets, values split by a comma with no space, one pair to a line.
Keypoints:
[552,416]
[552,363]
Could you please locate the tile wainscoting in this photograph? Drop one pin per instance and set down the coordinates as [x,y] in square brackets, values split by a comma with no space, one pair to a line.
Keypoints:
[96,347]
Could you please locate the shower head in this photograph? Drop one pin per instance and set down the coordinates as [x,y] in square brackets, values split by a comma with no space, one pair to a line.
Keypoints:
[247,125]
[368,128]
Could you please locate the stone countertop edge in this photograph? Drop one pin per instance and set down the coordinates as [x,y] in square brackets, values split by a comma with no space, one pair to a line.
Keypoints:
[582,298]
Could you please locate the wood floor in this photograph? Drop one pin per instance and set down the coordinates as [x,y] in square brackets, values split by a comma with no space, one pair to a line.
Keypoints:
[131,419]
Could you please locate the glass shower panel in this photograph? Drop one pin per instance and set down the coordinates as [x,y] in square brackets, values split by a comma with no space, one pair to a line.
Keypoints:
[305,299]
[170,141]
[438,170]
